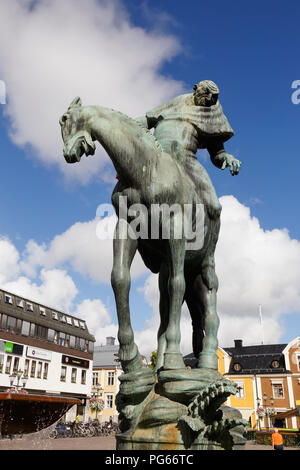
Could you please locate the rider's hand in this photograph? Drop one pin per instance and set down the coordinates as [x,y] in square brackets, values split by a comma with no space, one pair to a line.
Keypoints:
[233,163]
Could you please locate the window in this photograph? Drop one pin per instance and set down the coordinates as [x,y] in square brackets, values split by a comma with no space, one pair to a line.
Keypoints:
[110,378]
[25,328]
[8,364]
[76,323]
[26,368]
[19,326]
[63,374]
[39,370]
[3,321]
[1,363]
[67,341]
[69,320]
[83,376]
[8,299]
[16,365]
[73,376]
[62,317]
[32,329]
[62,337]
[42,311]
[11,324]
[82,325]
[46,366]
[298,361]
[33,368]
[95,379]
[278,391]
[240,390]
[40,332]
[54,316]
[19,302]
[91,347]
[72,342]
[29,306]
[51,334]
[109,400]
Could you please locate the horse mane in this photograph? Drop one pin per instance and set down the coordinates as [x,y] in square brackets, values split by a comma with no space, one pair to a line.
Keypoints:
[146,131]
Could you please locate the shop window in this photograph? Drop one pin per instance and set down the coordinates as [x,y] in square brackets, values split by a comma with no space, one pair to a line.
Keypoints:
[45,374]
[16,365]
[83,377]
[1,363]
[8,364]
[73,376]
[39,370]
[33,369]
[63,374]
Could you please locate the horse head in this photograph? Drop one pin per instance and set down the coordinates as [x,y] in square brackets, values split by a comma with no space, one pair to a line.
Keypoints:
[76,136]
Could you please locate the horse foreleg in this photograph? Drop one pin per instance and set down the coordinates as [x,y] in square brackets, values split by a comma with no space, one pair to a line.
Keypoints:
[124,249]
[207,302]
[176,288]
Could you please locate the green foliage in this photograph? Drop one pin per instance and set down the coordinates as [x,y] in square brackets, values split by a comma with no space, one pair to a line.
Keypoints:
[153,360]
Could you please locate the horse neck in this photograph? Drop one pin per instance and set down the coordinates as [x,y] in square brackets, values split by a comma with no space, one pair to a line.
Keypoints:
[130,147]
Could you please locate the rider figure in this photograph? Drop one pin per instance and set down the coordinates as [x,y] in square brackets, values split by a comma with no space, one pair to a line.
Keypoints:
[190,122]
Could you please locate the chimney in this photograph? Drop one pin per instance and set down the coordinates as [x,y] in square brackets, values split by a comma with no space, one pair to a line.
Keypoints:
[110,341]
[238,343]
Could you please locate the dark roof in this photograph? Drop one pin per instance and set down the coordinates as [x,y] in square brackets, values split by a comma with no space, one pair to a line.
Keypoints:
[258,359]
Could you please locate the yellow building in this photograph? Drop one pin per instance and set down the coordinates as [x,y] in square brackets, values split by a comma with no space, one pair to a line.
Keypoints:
[105,384]
[268,386]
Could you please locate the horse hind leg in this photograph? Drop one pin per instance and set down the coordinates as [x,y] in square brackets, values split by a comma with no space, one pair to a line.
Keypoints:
[164,305]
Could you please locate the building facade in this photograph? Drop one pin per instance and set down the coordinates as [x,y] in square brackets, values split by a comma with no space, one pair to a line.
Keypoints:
[105,384]
[268,379]
[44,351]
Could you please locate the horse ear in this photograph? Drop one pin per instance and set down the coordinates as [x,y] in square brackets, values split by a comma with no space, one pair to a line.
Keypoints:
[76,102]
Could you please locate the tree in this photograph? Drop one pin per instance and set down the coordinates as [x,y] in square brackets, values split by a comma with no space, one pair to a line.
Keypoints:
[153,359]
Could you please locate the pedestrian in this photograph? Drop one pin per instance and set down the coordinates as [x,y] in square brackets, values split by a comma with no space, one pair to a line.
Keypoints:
[277,440]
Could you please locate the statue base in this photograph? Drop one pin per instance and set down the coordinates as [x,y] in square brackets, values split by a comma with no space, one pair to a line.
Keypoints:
[194,419]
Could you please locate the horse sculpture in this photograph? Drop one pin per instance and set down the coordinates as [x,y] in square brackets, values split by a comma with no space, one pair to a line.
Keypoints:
[149,176]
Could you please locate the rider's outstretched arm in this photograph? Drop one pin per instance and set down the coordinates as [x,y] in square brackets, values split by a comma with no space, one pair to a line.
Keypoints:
[221,159]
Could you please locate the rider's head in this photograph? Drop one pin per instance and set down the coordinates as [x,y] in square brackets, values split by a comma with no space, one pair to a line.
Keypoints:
[206,93]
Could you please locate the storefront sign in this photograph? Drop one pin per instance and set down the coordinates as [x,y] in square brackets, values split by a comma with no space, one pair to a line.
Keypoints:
[11,348]
[74,361]
[39,353]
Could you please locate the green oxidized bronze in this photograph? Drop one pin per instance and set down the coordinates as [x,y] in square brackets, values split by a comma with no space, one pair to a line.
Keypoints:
[172,407]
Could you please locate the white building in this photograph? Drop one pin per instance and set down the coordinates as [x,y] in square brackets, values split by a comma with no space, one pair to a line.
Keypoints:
[50,351]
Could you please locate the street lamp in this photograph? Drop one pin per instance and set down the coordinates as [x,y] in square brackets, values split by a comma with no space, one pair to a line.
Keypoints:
[265,397]
[19,376]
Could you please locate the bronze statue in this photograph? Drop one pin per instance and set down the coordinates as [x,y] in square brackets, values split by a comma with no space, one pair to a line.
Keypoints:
[153,170]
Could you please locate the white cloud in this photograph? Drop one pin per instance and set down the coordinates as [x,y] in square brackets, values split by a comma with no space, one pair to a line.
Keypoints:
[95,313]
[52,51]
[54,288]
[81,248]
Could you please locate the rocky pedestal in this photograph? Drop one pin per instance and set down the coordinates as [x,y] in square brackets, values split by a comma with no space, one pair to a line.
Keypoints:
[183,411]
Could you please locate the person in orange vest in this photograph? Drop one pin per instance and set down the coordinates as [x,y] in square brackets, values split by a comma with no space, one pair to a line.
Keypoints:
[277,440]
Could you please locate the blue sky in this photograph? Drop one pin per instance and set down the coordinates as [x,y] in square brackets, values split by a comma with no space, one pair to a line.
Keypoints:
[160,49]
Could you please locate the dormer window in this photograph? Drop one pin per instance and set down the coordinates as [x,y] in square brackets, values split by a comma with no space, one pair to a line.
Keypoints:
[8,299]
